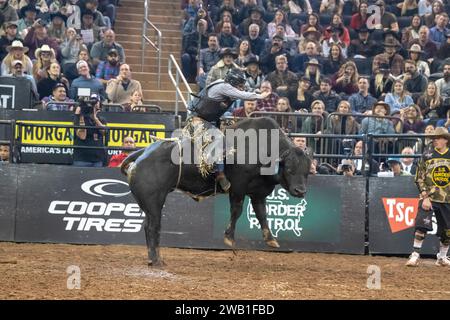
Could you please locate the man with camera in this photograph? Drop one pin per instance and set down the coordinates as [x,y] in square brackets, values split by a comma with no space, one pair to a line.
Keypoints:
[86,115]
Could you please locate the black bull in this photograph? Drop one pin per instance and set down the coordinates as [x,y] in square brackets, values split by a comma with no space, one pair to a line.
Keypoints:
[153,175]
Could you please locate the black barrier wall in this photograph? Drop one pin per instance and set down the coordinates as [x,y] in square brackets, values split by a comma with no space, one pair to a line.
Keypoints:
[94,206]
[393,205]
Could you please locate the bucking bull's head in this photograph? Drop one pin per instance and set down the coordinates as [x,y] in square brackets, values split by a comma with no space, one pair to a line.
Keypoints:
[294,170]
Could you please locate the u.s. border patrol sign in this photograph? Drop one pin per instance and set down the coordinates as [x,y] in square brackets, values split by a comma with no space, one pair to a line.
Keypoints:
[315,218]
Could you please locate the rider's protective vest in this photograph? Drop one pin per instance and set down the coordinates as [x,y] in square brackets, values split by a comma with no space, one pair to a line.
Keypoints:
[211,109]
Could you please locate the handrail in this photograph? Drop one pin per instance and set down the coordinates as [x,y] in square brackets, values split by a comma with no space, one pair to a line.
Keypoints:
[176,83]
[157,46]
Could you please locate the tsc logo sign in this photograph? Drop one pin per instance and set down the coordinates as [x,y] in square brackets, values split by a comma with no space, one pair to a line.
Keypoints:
[401,212]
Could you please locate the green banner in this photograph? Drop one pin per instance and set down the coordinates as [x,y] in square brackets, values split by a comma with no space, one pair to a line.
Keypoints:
[316,218]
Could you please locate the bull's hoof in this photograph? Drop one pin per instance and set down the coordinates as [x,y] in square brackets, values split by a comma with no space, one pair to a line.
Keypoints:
[157,264]
[229,242]
[272,243]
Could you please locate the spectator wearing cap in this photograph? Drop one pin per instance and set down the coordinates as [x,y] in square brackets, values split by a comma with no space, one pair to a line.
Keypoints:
[256,41]
[335,38]
[37,37]
[429,47]
[28,15]
[101,49]
[10,35]
[274,49]
[57,27]
[269,103]
[226,37]
[121,88]
[359,19]
[390,57]
[256,16]
[437,33]
[325,94]
[208,58]
[44,57]
[283,81]
[395,166]
[412,32]
[85,80]
[53,77]
[90,32]
[59,94]
[415,53]
[220,69]
[17,70]
[253,74]
[109,69]
[362,101]
[8,11]
[388,20]
[16,51]
[362,47]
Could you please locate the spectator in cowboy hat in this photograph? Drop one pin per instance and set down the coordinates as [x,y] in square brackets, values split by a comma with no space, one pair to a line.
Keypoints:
[37,37]
[221,68]
[10,35]
[335,38]
[44,58]
[28,15]
[378,125]
[390,57]
[16,51]
[362,47]
[381,82]
[313,73]
[415,52]
[57,26]
[253,73]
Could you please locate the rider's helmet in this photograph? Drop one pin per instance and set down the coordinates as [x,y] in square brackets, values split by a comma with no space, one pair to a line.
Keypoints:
[235,77]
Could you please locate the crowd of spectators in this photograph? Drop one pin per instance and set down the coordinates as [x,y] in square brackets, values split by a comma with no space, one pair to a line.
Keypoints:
[63,45]
[384,64]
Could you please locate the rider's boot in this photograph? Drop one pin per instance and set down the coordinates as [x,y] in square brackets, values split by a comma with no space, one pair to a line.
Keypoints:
[223,181]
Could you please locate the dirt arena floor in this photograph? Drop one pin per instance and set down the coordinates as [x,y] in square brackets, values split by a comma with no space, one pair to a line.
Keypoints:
[39,271]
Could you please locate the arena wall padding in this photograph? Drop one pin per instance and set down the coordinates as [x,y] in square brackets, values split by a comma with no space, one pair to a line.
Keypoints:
[395,234]
[8,190]
[75,205]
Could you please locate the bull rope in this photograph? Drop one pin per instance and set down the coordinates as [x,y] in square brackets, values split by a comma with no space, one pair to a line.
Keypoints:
[178,141]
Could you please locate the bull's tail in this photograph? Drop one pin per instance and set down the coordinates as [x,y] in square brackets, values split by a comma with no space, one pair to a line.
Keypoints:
[128,160]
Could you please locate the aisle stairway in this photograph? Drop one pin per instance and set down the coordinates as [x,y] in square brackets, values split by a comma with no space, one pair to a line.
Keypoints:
[165,15]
